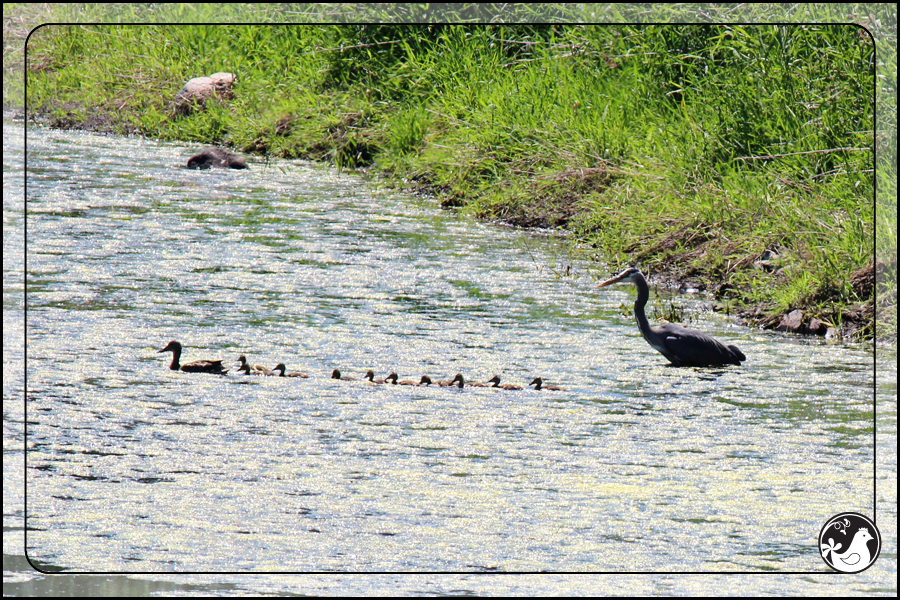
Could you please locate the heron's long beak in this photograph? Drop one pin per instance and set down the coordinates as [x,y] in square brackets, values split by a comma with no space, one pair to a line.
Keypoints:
[615,279]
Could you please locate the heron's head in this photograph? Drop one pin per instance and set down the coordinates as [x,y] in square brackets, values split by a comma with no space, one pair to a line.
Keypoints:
[629,275]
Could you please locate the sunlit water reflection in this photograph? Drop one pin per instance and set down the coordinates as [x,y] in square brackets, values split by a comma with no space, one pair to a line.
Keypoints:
[636,467]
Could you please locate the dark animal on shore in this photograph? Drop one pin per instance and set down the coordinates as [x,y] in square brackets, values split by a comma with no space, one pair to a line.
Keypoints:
[683,347]
[216,157]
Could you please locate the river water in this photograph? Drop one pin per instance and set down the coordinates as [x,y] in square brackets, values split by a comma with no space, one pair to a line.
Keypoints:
[636,467]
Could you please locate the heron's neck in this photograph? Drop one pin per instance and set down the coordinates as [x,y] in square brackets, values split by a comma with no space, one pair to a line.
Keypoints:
[643,295]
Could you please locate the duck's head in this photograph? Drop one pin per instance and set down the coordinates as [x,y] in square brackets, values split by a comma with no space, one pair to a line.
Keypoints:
[172,346]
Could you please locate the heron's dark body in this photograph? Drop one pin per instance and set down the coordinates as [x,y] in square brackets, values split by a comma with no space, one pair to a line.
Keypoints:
[688,348]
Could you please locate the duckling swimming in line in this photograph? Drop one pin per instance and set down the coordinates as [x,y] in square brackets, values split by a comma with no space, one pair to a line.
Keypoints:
[506,386]
[247,370]
[280,369]
[197,366]
[540,385]
[370,375]
[392,378]
[457,381]
[336,374]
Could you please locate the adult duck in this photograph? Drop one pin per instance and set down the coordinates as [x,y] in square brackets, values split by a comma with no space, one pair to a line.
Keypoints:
[506,386]
[540,385]
[197,366]
[280,368]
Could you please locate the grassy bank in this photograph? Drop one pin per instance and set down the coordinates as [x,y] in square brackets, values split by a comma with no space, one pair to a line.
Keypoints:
[739,158]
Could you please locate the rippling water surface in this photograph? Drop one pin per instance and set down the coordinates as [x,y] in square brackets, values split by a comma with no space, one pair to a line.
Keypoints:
[636,466]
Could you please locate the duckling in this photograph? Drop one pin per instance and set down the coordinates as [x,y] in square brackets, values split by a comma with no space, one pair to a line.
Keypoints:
[370,375]
[540,385]
[457,381]
[478,384]
[197,366]
[392,378]
[246,369]
[506,386]
[336,374]
[243,367]
[426,380]
[280,367]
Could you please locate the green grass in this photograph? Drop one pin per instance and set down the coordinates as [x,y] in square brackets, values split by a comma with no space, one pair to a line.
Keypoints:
[689,149]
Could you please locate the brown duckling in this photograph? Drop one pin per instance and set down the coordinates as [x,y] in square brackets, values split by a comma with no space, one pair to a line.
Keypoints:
[370,375]
[457,381]
[506,386]
[479,384]
[336,374]
[261,370]
[280,368]
[540,385]
[247,370]
[392,378]
[197,366]
[426,380]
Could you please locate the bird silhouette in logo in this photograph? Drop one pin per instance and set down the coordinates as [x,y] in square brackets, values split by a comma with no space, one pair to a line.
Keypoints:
[854,558]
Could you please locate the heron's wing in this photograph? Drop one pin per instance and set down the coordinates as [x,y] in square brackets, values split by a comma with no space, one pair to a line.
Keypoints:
[694,348]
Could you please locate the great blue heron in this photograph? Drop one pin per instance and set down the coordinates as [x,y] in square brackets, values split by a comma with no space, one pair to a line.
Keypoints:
[683,347]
